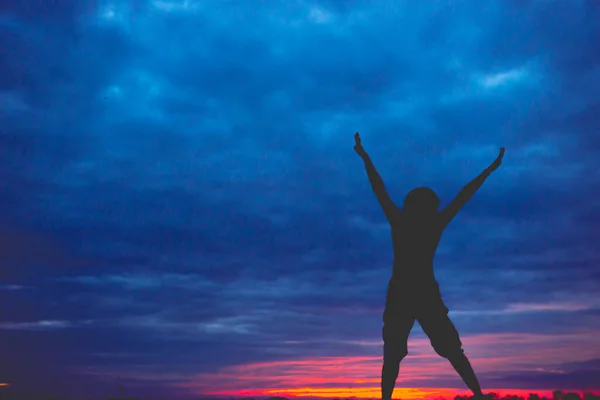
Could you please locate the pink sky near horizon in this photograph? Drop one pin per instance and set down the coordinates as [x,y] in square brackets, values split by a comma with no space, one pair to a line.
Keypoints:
[359,376]
[423,373]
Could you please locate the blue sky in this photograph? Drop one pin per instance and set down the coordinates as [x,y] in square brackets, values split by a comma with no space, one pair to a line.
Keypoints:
[181,202]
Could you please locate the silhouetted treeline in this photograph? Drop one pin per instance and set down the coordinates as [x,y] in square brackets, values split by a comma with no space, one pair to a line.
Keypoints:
[556,395]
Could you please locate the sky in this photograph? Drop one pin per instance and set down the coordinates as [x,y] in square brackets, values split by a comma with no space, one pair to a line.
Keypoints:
[182,208]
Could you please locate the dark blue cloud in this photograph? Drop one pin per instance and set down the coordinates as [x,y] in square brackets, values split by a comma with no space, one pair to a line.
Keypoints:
[572,375]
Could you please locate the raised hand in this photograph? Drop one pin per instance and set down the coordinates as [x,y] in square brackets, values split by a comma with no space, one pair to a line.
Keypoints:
[498,161]
[358,145]
[468,191]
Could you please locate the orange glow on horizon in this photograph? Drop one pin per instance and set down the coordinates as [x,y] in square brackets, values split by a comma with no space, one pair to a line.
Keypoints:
[4,384]
[374,393]
[341,392]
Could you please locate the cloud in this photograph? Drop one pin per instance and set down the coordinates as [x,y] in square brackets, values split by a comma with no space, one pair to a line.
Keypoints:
[573,376]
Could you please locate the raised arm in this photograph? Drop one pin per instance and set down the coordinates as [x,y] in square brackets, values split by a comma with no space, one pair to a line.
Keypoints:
[388,206]
[448,213]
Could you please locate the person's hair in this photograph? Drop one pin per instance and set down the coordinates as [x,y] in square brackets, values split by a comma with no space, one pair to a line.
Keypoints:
[421,201]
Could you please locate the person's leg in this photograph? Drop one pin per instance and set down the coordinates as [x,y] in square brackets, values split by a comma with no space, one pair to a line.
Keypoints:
[446,342]
[462,365]
[390,369]
[397,324]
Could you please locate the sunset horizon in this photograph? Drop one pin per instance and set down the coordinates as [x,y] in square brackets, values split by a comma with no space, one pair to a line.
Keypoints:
[366,393]
[403,393]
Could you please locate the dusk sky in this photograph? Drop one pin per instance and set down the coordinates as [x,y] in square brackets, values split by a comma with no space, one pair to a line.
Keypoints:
[182,207]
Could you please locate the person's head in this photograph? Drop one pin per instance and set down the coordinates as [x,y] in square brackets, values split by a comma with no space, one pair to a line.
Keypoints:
[421,202]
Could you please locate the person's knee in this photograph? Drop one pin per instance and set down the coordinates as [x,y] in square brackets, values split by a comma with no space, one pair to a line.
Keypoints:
[394,354]
[449,352]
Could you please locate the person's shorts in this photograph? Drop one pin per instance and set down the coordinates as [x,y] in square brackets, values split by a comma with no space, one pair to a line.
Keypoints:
[404,306]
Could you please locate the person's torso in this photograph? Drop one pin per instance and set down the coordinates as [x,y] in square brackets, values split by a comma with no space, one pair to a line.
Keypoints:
[414,245]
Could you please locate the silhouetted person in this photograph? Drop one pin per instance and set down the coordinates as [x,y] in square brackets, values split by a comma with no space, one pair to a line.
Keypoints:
[413,292]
